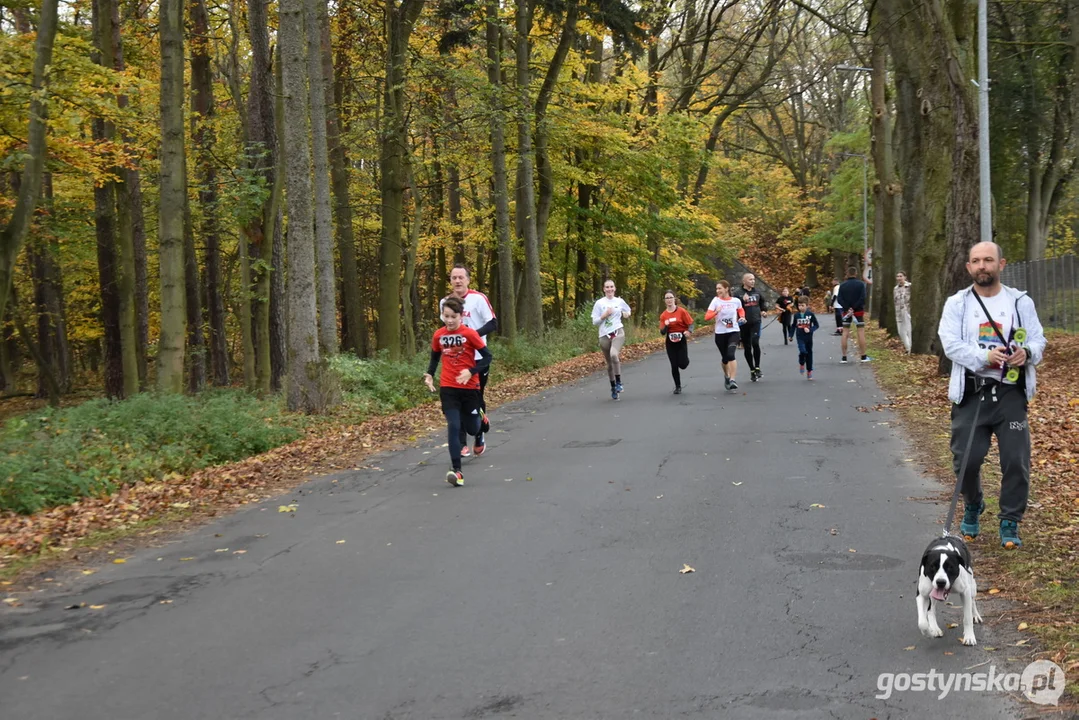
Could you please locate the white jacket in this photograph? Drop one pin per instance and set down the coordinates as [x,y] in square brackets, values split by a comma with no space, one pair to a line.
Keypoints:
[965,353]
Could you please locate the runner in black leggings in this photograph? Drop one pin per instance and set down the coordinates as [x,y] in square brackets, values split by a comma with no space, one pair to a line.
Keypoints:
[755,307]
[676,324]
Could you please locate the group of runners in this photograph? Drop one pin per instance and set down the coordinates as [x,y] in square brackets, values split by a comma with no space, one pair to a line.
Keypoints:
[468,317]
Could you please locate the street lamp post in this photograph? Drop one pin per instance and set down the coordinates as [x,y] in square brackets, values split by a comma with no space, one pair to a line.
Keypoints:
[865,212]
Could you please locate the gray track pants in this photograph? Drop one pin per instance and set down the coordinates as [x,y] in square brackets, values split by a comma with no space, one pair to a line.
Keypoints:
[1007,419]
[611,348]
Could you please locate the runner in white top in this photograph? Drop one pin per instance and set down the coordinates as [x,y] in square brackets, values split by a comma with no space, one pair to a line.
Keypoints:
[607,315]
[729,316]
[480,316]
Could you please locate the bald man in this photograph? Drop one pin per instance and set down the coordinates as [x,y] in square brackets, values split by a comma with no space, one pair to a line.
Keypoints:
[979,331]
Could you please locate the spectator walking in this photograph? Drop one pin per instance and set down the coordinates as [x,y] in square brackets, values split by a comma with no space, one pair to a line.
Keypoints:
[993,337]
[901,296]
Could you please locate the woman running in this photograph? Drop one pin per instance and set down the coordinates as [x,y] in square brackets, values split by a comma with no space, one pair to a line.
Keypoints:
[676,323]
[785,303]
[457,347]
[607,314]
[730,316]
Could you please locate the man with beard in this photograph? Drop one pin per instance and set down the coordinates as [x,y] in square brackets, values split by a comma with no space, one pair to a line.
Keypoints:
[993,337]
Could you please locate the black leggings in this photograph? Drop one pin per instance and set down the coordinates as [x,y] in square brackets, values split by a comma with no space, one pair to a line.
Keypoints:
[458,405]
[727,344]
[678,354]
[484,376]
[785,321]
[751,344]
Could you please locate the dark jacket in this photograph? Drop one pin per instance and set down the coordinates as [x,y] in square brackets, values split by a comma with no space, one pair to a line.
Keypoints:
[852,295]
[752,302]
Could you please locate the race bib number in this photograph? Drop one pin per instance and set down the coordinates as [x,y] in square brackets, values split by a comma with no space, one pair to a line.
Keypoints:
[451,341]
[675,337]
[728,323]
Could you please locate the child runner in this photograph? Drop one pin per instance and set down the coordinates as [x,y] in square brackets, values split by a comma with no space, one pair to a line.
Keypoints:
[785,304]
[607,314]
[676,323]
[457,346]
[729,317]
[805,324]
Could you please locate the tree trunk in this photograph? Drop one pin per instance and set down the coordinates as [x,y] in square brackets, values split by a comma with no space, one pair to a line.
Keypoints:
[393,150]
[304,391]
[278,327]
[320,83]
[932,47]
[49,305]
[354,321]
[532,292]
[407,306]
[259,231]
[888,191]
[543,131]
[170,356]
[499,182]
[202,133]
[196,344]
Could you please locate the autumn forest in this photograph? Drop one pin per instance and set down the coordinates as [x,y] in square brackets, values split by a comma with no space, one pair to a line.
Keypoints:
[207,193]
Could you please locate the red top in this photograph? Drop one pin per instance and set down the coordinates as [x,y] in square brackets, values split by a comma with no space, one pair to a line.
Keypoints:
[679,320]
[458,348]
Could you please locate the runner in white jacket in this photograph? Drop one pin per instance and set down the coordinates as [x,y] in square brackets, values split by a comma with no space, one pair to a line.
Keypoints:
[607,315]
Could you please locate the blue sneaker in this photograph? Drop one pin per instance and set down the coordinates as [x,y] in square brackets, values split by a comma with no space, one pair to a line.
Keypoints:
[614,393]
[618,388]
[1009,535]
[969,527]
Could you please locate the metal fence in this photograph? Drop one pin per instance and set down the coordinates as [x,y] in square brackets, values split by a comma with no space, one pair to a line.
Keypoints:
[1054,286]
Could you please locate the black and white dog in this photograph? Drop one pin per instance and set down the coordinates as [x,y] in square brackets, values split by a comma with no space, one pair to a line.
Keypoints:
[946,569]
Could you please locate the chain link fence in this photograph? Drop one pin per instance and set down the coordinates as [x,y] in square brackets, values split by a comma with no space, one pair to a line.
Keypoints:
[1054,286]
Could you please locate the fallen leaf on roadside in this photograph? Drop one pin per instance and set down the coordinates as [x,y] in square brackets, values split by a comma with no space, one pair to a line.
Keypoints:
[833,531]
[340,542]
[816,505]
[119,561]
[994,591]
[88,572]
[736,484]
[910,647]
[186,559]
[221,550]
[949,652]
[164,602]
[1022,626]
[686,569]
[238,552]
[286,508]
[952,625]
[851,550]
[659,497]
[96,607]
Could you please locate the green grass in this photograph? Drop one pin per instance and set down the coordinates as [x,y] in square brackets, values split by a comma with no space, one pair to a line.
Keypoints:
[56,456]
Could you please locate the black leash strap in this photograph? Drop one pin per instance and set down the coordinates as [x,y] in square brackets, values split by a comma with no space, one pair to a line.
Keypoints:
[962,468]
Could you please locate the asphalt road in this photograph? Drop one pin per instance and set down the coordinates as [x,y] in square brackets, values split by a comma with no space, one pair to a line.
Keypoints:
[549,585]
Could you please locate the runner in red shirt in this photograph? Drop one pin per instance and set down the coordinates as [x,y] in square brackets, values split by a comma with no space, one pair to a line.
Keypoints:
[676,323]
[457,346]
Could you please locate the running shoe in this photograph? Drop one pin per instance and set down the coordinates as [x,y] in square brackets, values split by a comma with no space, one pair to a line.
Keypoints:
[801,369]
[866,358]
[465,452]
[726,383]
[732,385]
[838,332]
[677,390]
[969,527]
[485,424]
[758,373]
[809,375]
[455,478]
[614,393]
[1009,535]
[843,360]
[618,388]
[478,450]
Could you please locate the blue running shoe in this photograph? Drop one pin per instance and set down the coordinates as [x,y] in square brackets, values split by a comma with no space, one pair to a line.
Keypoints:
[969,527]
[1009,535]
[614,393]
[618,388]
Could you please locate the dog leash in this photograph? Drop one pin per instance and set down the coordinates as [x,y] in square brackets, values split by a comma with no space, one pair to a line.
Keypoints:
[963,467]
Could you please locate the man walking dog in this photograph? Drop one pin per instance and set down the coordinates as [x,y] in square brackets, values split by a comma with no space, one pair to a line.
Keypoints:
[993,337]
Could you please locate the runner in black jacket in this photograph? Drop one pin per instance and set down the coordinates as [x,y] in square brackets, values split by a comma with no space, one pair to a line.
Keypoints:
[755,307]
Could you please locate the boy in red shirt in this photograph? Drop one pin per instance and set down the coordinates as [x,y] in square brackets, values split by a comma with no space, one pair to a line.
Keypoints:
[457,346]
[676,323]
